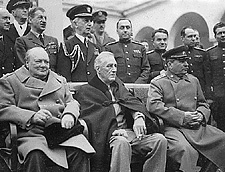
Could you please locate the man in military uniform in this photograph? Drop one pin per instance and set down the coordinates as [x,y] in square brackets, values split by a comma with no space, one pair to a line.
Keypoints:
[157,63]
[99,19]
[217,66]
[177,98]
[37,38]
[133,66]
[198,63]
[77,55]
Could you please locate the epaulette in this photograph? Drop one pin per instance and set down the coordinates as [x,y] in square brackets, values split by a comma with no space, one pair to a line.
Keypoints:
[211,47]
[111,43]
[150,52]
[200,49]
[7,75]
[136,42]
[162,75]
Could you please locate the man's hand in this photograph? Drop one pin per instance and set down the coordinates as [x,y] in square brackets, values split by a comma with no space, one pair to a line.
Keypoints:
[120,132]
[67,121]
[192,119]
[139,127]
[40,117]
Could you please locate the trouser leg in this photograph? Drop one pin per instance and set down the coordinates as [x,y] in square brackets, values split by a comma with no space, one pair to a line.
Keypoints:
[78,160]
[154,148]
[121,154]
[180,151]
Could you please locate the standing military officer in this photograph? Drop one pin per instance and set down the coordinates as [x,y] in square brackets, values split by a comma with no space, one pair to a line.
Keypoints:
[217,64]
[157,63]
[77,55]
[37,38]
[133,66]
[198,63]
[99,19]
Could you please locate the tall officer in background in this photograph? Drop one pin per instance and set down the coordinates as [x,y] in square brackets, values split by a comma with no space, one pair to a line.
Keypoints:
[77,55]
[198,63]
[156,61]
[99,19]
[133,66]
[217,66]
[37,38]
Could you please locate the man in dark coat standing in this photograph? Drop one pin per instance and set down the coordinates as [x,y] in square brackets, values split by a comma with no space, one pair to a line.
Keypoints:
[155,59]
[116,120]
[37,38]
[133,66]
[33,97]
[77,55]
[177,98]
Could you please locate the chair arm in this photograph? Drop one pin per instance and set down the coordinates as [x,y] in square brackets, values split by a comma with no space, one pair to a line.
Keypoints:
[14,148]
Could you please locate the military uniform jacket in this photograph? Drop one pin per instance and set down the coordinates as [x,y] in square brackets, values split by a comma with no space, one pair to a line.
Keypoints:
[132,63]
[29,41]
[156,62]
[199,67]
[170,97]
[217,68]
[22,96]
[76,61]
[106,39]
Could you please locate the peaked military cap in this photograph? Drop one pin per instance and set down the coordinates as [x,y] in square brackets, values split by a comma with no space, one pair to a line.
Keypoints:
[13,4]
[177,53]
[79,11]
[100,16]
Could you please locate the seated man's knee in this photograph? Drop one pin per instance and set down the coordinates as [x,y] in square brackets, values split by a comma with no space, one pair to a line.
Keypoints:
[36,155]
[120,142]
[161,139]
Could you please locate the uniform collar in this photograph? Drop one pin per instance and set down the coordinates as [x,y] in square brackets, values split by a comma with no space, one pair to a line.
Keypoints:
[175,78]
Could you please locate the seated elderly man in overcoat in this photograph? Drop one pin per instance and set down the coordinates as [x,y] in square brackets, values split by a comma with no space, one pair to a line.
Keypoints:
[177,98]
[35,98]
[116,121]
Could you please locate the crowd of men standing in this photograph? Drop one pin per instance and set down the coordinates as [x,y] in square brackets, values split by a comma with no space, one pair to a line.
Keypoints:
[86,38]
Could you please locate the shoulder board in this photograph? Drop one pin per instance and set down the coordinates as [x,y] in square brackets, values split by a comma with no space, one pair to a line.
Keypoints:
[7,75]
[111,43]
[135,42]
[211,47]
[200,49]
[150,52]
[162,75]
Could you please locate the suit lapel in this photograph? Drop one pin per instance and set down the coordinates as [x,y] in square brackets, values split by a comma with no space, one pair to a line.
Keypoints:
[91,50]
[34,39]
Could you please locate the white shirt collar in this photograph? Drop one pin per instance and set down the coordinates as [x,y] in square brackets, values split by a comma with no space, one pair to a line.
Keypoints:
[19,30]
[81,38]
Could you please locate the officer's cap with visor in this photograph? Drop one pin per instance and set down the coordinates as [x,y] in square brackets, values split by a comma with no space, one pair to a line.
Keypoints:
[13,4]
[80,11]
[99,16]
[177,53]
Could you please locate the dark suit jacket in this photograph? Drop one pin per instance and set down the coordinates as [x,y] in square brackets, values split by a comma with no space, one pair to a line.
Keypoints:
[29,41]
[76,61]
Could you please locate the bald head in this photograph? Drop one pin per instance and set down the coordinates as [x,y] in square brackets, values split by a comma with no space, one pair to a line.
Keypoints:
[4,19]
[37,62]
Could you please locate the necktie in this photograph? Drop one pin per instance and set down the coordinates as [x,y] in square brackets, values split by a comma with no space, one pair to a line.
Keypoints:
[21,27]
[86,42]
[41,39]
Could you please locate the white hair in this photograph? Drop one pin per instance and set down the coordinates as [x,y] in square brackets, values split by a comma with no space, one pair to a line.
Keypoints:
[102,57]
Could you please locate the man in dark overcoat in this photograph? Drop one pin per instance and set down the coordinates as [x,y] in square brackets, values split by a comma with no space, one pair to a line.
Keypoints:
[77,55]
[133,66]
[177,98]
[116,120]
[33,97]
[37,38]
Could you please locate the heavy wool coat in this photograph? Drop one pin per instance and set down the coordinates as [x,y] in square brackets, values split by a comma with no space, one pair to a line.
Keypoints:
[29,41]
[22,96]
[98,112]
[169,98]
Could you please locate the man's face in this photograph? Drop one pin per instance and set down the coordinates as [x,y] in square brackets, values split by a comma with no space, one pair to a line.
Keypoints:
[38,22]
[99,26]
[178,67]
[160,41]
[38,64]
[83,26]
[124,29]
[4,20]
[21,12]
[107,70]
[220,35]
[190,37]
